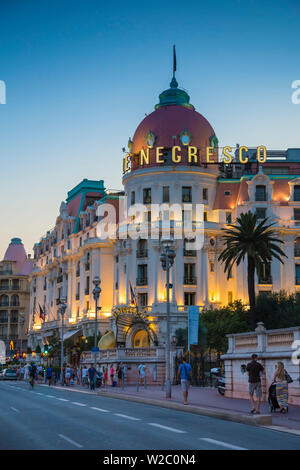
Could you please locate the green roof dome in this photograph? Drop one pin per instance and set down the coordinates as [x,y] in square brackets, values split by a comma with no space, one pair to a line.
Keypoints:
[174,96]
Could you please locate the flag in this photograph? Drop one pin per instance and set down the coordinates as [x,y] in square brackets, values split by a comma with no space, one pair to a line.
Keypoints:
[42,313]
[132,294]
[174,60]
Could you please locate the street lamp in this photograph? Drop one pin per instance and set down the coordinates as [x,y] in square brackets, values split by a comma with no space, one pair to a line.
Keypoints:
[62,310]
[96,294]
[21,321]
[167,260]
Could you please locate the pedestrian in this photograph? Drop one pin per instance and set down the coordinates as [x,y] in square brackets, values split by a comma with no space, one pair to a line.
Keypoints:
[84,375]
[142,373]
[280,378]
[185,375]
[68,375]
[92,376]
[255,370]
[49,373]
[22,371]
[112,373]
[120,373]
[78,375]
[26,372]
[105,376]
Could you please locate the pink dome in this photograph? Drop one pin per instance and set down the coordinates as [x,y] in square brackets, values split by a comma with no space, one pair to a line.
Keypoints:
[15,251]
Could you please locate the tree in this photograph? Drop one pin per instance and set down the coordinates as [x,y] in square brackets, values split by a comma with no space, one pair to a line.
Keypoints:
[255,241]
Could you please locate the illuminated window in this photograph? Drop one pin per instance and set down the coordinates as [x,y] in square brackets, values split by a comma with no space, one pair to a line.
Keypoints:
[186,194]
[230,297]
[189,298]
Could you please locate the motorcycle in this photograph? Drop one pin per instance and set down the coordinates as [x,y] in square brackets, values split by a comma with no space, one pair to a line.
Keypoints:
[99,378]
[221,385]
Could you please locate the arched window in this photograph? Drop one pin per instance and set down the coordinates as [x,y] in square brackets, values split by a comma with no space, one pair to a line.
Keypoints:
[260,192]
[141,339]
[4,300]
[15,300]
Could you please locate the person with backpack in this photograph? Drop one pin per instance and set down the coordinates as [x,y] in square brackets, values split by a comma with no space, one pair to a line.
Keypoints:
[185,375]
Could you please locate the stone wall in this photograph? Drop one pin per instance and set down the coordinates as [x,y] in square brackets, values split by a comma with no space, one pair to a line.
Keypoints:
[271,346]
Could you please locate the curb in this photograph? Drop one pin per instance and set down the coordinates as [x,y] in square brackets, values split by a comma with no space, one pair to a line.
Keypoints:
[255,420]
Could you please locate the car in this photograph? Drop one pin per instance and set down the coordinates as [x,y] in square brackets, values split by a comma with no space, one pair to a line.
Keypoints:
[9,374]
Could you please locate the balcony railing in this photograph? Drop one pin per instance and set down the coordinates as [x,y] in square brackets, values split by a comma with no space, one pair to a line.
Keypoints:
[15,304]
[4,287]
[190,280]
[189,253]
[3,319]
[4,304]
[142,253]
[142,281]
[266,280]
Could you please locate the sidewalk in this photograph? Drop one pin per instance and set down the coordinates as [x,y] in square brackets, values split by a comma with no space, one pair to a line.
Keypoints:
[206,398]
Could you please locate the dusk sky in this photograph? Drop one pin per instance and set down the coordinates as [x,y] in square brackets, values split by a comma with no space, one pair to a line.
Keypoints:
[81,74]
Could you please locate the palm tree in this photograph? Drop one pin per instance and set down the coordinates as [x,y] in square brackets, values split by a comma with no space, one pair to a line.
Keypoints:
[255,241]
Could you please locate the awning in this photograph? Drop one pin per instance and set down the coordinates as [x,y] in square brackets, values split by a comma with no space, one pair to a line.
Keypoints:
[68,334]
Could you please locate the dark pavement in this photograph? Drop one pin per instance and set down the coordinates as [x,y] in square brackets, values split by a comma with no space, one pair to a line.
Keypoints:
[49,418]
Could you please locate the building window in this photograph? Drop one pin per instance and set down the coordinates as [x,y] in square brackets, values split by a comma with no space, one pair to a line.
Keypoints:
[186,194]
[166,194]
[260,193]
[296,193]
[143,299]
[132,198]
[189,298]
[260,212]
[230,276]
[265,274]
[205,194]
[228,217]
[297,269]
[212,267]
[230,298]
[227,193]
[142,251]
[205,216]
[186,250]
[189,274]
[297,247]
[296,214]
[142,279]
[147,196]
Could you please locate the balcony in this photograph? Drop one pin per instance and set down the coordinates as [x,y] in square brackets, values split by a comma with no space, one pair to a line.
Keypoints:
[190,253]
[142,253]
[142,281]
[190,280]
[4,304]
[15,304]
[265,280]
[4,287]
[3,319]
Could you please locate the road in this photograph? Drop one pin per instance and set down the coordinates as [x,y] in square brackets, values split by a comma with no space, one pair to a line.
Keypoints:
[47,418]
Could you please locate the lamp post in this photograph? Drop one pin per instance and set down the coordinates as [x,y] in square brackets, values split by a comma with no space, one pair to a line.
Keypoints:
[167,260]
[22,321]
[96,294]
[62,310]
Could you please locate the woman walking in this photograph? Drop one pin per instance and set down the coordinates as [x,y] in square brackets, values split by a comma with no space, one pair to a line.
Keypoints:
[281,387]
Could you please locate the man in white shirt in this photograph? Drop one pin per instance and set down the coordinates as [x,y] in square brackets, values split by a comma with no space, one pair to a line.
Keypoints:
[84,375]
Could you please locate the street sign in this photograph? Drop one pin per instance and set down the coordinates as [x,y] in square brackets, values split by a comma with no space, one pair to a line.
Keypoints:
[95,349]
[193,324]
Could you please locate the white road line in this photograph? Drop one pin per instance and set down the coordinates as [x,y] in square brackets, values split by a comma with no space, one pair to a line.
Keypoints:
[50,396]
[167,428]
[70,440]
[15,409]
[63,399]
[126,416]
[220,443]
[38,393]
[79,404]
[98,409]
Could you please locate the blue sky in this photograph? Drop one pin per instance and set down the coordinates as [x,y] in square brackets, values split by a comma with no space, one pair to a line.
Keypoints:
[80,76]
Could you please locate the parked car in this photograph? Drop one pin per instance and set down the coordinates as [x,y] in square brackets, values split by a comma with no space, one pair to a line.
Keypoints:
[9,374]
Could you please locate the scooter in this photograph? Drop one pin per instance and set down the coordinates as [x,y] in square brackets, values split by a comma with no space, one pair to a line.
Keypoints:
[221,385]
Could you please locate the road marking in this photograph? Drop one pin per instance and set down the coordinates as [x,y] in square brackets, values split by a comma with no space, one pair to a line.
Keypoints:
[63,399]
[220,443]
[167,428]
[70,440]
[126,416]
[50,396]
[15,409]
[38,393]
[99,409]
[79,404]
